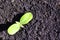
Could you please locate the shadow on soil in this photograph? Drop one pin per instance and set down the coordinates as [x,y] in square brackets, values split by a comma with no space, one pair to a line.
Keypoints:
[5,26]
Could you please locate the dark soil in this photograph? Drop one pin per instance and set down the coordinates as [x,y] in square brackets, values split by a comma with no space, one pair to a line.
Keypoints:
[44,26]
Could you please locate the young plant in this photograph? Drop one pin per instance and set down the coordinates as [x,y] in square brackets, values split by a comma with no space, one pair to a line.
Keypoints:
[26,18]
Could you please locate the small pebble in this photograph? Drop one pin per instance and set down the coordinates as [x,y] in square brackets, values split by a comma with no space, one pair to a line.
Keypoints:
[12,0]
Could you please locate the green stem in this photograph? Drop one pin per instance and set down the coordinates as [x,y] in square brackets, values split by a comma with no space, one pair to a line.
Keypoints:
[19,24]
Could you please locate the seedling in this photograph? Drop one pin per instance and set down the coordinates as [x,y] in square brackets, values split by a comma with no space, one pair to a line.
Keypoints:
[26,18]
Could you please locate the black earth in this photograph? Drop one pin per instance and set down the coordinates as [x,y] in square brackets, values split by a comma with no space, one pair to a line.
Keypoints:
[44,26]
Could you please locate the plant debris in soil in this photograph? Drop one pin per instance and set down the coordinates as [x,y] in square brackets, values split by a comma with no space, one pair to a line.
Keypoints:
[44,26]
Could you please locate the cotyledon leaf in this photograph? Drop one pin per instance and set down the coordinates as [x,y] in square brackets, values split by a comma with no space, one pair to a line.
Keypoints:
[26,18]
[14,28]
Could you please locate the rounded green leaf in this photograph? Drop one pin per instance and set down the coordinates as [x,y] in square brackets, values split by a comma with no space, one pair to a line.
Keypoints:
[14,28]
[26,18]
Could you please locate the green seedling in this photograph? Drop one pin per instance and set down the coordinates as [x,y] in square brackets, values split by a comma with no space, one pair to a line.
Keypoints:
[26,18]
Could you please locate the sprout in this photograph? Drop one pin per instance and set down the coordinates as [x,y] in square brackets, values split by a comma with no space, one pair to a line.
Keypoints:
[26,18]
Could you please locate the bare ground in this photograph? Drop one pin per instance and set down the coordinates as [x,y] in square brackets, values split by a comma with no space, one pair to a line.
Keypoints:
[44,26]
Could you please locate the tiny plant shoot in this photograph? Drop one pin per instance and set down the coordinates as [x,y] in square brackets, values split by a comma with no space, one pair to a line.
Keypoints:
[26,18]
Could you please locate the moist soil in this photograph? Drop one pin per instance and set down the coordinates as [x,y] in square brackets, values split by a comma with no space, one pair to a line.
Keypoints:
[45,24]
